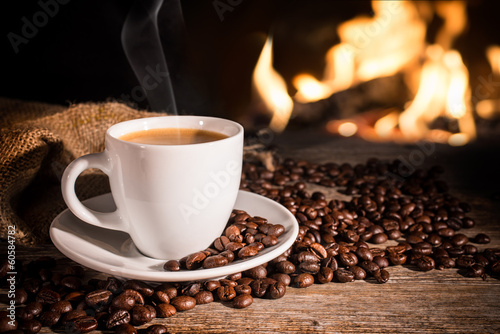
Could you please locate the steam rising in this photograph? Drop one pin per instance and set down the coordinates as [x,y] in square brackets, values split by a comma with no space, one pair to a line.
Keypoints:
[142,45]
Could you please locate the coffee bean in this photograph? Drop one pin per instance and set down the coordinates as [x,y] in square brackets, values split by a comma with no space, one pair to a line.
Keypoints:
[276,290]
[476,270]
[242,301]
[118,317]
[247,251]
[83,324]
[47,296]
[325,275]
[344,275]
[156,329]
[30,326]
[381,261]
[481,238]
[348,259]
[62,306]
[165,310]
[140,314]
[158,297]
[172,265]
[6,323]
[204,297]
[256,273]
[382,276]
[215,261]
[359,273]
[183,303]
[49,318]
[98,299]
[425,263]
[259,288]
[125,329]
[34,308]
[226,293]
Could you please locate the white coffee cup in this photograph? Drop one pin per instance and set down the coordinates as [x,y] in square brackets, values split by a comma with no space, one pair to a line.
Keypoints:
[173,200]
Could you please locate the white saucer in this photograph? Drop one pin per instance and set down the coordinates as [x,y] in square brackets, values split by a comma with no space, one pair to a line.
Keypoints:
[113,252]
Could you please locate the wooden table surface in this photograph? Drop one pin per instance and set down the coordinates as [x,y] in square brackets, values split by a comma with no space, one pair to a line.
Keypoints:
[410,302]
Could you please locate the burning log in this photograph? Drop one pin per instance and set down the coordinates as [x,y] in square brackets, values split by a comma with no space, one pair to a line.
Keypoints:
[383,92]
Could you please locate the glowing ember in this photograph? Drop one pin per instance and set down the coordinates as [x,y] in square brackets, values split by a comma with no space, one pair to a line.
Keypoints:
[347,129]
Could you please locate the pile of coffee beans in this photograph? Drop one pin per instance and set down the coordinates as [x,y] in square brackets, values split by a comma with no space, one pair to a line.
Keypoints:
[244,237]
[393,218]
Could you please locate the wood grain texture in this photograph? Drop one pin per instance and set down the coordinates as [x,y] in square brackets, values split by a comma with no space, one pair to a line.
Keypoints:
[410,302]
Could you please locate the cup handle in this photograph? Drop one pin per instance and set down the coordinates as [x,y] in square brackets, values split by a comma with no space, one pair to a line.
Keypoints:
[109,220]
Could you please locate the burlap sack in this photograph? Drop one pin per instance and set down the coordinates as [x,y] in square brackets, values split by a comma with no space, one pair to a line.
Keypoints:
[37,141]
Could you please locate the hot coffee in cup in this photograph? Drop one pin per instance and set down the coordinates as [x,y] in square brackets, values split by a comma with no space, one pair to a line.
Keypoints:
[174,180]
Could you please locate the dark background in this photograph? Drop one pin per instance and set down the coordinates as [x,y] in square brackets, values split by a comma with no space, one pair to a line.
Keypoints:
[77,55]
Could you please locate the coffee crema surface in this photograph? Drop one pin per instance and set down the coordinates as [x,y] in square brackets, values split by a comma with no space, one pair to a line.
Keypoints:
[172,136]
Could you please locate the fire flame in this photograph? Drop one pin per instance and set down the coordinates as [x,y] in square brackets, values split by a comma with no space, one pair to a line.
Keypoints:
[392,41]
[271,87]
[490,108]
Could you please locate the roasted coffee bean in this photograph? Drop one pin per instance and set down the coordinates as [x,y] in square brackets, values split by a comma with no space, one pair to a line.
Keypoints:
[243,289]
[204,297]
[284,267]
[369,266]
[444,262]
[140,314]
[248,251]
[20,296]
[62,306]
[397,258]
[98,298]
[118,317]
[125,329]
[382,276]
[481,238]
[464,261]
[476,270]
[259,288]
[303,280]
[221,242]
[71,282]
[344,275]
[226,293]
[30,326]
[325,275]
[172,265]
[276,290]
[242,301]
[156,329]
[425,263]
[34,308]
[195,260]
[256,273]
[379,238]
[6,323]
[83,324]
[348,259]
[364,254]
[381,261]
[359,273]
[215,261]
[165,310]
[49,318]
[47,296]
[183,303]
[211,285]
[309,267]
